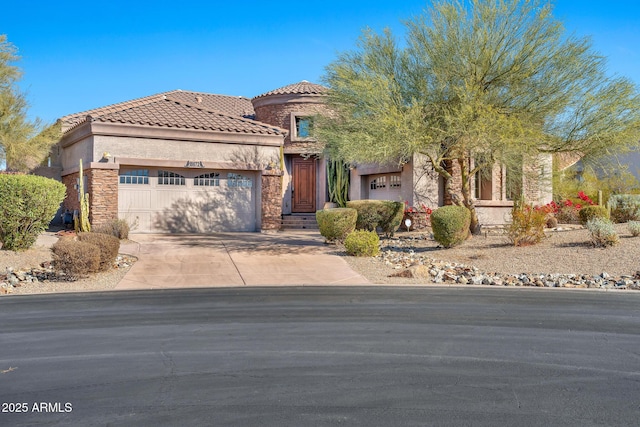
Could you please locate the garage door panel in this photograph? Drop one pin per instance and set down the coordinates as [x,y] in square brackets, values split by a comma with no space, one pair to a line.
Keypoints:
[190,208]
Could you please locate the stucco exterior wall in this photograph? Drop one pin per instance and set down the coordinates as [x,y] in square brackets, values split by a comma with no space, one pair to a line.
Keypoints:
[146,148]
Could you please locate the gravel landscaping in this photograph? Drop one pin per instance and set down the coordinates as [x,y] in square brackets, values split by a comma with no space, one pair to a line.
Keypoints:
[566,254]
[564,259]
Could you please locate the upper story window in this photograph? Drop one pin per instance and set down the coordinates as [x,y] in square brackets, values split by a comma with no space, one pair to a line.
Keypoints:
[208,179]
[238,180]
[303,127]
[170,178]
[138,176]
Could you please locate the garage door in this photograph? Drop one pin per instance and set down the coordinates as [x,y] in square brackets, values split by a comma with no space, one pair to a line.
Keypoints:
[385,187]
[187,201]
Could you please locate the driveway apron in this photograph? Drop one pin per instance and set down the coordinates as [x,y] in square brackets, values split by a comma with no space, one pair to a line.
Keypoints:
[234,259]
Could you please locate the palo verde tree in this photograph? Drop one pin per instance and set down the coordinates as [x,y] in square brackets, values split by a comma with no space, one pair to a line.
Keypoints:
[475,83]
[24,144]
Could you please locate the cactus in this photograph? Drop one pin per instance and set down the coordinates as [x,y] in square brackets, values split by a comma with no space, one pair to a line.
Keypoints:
[338,182]
[82,223]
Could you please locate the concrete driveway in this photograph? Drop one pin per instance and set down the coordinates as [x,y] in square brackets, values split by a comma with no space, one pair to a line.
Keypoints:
[234,259]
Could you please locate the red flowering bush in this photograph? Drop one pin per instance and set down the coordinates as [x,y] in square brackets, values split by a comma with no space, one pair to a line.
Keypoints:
[420,217]
[567,211]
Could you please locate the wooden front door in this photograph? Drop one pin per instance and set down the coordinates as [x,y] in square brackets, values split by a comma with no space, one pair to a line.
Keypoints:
[304,185]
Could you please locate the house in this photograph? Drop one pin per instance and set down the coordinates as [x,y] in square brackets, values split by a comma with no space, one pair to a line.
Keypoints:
[192,162]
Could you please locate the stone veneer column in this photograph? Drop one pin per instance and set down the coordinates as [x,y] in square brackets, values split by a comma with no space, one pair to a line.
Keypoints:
[71,201]
[102,186]
[271,200]
[103,195]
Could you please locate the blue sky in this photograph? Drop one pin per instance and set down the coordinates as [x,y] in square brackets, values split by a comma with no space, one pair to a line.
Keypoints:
[78,55]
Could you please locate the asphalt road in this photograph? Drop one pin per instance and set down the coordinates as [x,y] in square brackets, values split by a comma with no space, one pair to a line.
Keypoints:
[322,356]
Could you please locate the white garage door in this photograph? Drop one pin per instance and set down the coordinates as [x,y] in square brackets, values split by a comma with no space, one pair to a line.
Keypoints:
[187,201]
[385,187]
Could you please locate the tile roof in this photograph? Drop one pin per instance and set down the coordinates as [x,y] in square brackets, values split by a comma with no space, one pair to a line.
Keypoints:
[302,88]
[183,110]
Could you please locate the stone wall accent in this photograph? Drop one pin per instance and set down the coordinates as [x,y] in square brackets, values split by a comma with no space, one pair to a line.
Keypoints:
[280,115]
[103,195]
[271,199]
[102,186]
[71,202]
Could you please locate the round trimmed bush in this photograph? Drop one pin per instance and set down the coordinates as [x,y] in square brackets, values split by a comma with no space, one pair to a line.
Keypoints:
[362,243]
[109,246]
[378,213]
[75,258]
[28,203]
[450,225]
[336,224]
[589,212]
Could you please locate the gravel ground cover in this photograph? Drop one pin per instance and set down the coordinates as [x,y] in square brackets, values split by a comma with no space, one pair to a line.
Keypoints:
[563,252]
[35,257]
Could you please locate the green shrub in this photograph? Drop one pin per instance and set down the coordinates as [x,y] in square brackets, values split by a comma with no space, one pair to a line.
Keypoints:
[450,225]
[29,203]
[335,224]
[527,225]
[75,258]
[108,245]
[117,227]
[362,243]
[634,228]
[602,231]
[589,212]
[378,213]
[567,215]
[625,207]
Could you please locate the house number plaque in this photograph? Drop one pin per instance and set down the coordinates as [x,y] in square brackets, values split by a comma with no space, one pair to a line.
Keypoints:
[194,164]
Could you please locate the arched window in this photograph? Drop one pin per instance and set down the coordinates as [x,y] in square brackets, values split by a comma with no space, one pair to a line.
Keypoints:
[170,178]
[207,179]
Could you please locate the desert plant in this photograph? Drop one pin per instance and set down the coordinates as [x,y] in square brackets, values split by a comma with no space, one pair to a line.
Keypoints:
[567,214]
[338,182]
[589,212]
[625,207]
[450,225]
[75,258]
[634,228]
[527,225]
[29,203]
[336,224]
[117,227]
[108,245]
[82,222]
[602,231]
[362,243]
[378,213]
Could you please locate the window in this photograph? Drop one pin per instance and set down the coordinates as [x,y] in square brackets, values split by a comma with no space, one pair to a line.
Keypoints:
[138,176]
[169,178]
[208,179]
[484,185]
[378,183]
[237,180]
[303,127]
[394,181]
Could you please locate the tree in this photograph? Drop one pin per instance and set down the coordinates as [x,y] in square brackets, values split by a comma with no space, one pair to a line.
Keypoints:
[476,82]
[24,144]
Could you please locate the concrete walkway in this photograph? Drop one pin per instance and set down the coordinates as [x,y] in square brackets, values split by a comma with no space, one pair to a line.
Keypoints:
[234,259]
